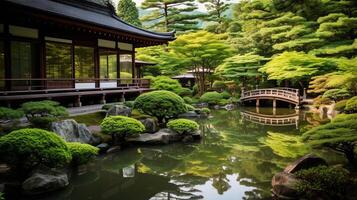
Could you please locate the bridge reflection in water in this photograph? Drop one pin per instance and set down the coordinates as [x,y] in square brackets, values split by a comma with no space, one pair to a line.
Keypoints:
[271,120]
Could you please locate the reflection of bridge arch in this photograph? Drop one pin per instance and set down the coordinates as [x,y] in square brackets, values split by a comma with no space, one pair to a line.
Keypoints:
[289,95]
[271,120]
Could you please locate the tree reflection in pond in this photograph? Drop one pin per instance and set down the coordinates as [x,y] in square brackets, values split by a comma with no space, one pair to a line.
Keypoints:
[235,159]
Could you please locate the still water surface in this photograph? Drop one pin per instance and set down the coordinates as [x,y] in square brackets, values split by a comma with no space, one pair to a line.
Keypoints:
[236,159]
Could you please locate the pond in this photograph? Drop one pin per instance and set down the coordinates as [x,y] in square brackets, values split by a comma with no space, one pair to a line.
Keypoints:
[236,159]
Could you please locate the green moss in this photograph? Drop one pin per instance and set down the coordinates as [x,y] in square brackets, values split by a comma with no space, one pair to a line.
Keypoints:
[82,153]
[122,126]
[90,119]
[211,98]
[27,148]
[333,182]
[183,126]
[161,104]
[351,105]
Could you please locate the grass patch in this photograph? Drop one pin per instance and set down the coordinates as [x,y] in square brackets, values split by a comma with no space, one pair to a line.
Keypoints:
[90,119]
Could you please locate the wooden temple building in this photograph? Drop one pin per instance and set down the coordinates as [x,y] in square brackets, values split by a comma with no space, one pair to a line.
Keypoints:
[69,49]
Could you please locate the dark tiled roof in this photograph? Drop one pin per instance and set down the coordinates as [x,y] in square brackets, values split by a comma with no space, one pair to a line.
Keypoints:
[96,12]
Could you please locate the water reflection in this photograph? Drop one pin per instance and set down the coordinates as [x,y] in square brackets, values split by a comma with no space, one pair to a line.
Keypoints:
[235,159]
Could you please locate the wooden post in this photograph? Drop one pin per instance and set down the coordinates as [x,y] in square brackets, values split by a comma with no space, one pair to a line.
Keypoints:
[274,103]
[122,98]
[78,102]
[304,95]
[257,102]
[103,101]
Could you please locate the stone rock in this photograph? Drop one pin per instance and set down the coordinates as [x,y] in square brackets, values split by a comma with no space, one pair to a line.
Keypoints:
[305,162]
[45,180]
[285,185]
[151,124]
[163,136]
[216,107]
[229,107]
[71,131]
[119,110]
[187,138]
[94,129]
[189,114]
[197,135]
[103,147]
[114,149]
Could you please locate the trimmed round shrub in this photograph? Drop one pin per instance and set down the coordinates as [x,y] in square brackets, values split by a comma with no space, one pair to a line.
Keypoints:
[10,114]
[351,105]
[225,95]
[183,126]
[340,106]
[26,148]
[188,100]
[336,94]
[190,107]
[219,85]
[122,126]
[42,113]
[331,181]
[161,104]
[223,102]
[82,153]
[166,83]
[206,110]
[185,92]
[211,98]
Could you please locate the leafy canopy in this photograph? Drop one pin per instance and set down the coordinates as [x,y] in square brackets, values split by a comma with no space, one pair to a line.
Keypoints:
[128,12]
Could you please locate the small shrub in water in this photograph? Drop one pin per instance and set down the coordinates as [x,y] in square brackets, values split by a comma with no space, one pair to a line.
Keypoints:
[82,153]
[183,126]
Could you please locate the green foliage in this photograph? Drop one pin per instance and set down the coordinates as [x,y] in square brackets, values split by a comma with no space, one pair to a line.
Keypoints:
[27,148]
[42,113]
[129,104]
[189,107]
[166,83]
[211,98]
[206,110]
[351,105]
[185,92]
[188,100]
[322,83]
[122,126]
[2,196]
[339,135]
[216,10]
[10,114]
[128,12]
[183,126]
[223,102]
[161,104]
[82,153]
[106,106]
[340,106]
[336,94]
[333,182]
[219,85]
[225,95]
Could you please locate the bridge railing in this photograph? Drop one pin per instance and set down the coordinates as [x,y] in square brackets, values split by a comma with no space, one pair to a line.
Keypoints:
[287,93]
[276,120]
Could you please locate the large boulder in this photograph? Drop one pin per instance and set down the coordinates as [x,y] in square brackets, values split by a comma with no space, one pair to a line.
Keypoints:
[285,185]
[119,110]
[151,124]
[45,180]
[305,162]
[163,136]
[71,131]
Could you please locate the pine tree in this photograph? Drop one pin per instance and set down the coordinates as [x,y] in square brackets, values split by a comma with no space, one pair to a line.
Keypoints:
[216,9]
[168,15]
[128,12]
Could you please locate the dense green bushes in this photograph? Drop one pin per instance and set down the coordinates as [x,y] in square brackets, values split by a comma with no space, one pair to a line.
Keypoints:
[122,126]
[219,85]
[161,104]
[351,105]
[336,94]
[212,98]
[42,113]
[188,100]
[82,153]
[129,104]
[183,126]
[27,148]
[340,106]
[166,83]
[332,182]
[10,114]
[206,110]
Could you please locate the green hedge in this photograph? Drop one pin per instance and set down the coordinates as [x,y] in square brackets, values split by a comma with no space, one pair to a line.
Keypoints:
[183,126]
[82,153]
[219,85]
[26,148]
[161,104]
[211,98]
[330,181]
[122,126]
[166,83]
[10,114]
[206,110]
[351,105]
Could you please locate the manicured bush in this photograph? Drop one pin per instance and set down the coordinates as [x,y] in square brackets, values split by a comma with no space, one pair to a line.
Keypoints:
[161,104]
[183,126]
[336,94]
[10,114]
[211,98]
[129,104]
[351,105]
[166,83]
[122,126]
[190,107]
[42,113]
[340,106]
[82,153]
[206,110]
[330,181]
[223,102]
[184,92]
[188,100]
[219,85]
[225,95]
[26,148]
